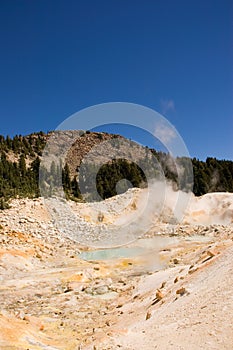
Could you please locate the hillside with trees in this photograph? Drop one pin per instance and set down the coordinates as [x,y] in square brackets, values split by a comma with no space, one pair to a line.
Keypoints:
[20,163]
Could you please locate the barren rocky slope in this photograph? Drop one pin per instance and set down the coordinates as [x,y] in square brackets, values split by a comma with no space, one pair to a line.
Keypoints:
[176,294]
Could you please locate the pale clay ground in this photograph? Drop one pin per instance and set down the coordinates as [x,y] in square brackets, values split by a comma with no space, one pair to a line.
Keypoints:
[179,297]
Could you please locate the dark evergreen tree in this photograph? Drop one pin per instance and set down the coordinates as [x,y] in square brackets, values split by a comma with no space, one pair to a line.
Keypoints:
[20,176]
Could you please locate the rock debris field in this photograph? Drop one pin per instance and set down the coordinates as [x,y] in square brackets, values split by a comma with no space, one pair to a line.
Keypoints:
[176,294]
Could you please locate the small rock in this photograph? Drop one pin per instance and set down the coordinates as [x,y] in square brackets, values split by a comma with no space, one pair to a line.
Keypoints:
[210,253]
[181,291]
[148,315]
[159,295]
[163,284]
[43,226]
[88,290]
[31,220]
[21,315]
[193,270]
[68,289]
[102,289]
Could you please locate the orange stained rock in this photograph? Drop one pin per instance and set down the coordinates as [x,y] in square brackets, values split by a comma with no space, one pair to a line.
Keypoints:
[15,252]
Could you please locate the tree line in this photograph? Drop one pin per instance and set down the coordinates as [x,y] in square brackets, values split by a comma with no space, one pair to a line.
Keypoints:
[20,165]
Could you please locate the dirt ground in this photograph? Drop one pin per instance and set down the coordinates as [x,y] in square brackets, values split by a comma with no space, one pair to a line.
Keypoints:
[52,299]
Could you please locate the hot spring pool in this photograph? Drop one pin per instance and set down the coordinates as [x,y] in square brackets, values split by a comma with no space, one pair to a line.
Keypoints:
[112,253]
[140,248]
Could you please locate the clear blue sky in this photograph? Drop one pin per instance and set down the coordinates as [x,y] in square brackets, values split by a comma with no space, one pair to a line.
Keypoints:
[58,57]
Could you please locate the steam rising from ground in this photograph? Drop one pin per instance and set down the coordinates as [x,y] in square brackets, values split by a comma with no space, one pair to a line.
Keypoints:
[212,208]
[165,205]
[128,216]
[124,218]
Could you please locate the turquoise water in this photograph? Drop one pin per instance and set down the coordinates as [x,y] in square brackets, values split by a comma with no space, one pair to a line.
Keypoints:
[113,253]
[142,247]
